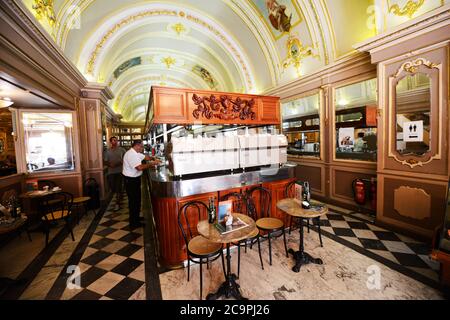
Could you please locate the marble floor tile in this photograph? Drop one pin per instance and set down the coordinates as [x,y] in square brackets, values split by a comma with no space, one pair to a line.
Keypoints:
[342,276]
[397,246]
[110,262]
[366,234]
[105,283]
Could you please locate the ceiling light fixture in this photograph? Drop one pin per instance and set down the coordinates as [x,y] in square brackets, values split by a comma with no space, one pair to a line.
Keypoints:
[5,102]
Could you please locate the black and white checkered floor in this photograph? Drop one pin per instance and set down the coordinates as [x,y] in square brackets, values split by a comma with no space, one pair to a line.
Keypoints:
[397,251]
[112,267]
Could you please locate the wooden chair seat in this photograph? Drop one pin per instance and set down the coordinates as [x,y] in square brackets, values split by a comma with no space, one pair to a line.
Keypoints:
[269,224]
[56,215]
[80,200]
[200,246]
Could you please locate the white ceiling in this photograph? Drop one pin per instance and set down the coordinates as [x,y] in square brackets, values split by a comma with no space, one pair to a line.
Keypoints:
[233,40]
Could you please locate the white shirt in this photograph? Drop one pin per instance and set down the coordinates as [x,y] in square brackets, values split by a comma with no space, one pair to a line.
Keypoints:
[131,160]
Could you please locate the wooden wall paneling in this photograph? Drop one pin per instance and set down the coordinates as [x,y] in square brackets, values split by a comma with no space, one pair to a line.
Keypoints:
[436,161]
[277,190]
[269,110]
[170,106]
[171,244]
[12,182]
[341,179]
[427,195]
[314,173]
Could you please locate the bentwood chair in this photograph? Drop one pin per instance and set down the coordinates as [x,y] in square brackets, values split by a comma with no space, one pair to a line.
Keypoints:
[240,206]
[259,201]
[289,193]
[55,212]
[199,249]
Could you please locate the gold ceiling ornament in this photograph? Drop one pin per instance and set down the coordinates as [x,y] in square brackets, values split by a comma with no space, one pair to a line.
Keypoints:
[413,66]
[168,61]
[44,9]
[123,22]
[179,28]
[409,9]
[296,52]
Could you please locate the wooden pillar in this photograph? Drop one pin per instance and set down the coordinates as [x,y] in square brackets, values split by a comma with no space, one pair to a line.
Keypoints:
[91,117]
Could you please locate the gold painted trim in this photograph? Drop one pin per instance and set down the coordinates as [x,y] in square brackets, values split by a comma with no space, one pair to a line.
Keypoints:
[412,67]
[409,9]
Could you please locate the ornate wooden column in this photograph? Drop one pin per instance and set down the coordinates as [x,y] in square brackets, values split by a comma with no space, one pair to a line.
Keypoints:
[91,116]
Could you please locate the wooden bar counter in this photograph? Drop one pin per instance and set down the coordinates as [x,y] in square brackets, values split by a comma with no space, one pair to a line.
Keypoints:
[169,194]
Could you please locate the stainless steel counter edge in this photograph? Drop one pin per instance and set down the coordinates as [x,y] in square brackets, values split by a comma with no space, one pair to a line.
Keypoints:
[164,186]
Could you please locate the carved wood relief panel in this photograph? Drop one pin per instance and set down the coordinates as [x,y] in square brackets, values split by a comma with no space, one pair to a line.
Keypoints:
[412,203]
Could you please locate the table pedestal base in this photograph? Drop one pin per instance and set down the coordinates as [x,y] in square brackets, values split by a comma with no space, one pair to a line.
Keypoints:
[228,289]
[302,258]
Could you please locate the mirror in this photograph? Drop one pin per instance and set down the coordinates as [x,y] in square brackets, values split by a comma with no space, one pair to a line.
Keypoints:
[413,106]
[355,131]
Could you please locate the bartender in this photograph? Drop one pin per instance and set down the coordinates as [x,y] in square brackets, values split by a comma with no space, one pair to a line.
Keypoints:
[360,144]
[132,172]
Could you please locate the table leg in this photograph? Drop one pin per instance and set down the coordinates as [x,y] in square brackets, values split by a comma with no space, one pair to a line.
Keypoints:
[301,257]
[229,288]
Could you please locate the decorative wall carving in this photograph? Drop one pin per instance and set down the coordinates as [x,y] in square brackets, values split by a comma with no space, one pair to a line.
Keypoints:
[413,66]
[223,108]
[409,9]
[412,203]
[44,9]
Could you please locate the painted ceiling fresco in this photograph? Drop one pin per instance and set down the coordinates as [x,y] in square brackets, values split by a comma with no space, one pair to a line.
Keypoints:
[226,45]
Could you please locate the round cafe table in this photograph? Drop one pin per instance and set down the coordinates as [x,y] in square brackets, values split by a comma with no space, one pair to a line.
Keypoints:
[293,207]
[229,288]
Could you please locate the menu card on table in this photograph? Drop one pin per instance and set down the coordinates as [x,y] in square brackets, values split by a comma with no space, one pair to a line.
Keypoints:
[226,222]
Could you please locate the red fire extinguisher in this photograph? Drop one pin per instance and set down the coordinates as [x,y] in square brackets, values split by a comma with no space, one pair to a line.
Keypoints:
[359,191]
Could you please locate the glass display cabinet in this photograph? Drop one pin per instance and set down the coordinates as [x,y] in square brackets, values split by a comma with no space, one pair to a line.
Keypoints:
[301,125]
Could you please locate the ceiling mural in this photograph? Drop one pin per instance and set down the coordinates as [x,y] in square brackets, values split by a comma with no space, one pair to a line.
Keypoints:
[246,46]
[281,16]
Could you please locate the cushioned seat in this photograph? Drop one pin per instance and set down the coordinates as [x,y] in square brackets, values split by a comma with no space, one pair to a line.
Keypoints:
[56,215]
[203,247]
[269,224]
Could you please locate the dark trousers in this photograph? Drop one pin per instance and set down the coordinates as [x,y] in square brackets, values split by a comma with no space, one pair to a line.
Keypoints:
[133,188]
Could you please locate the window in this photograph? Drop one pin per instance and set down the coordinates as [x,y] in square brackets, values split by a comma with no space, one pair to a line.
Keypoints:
[48,141]
[356,121]
[301,125]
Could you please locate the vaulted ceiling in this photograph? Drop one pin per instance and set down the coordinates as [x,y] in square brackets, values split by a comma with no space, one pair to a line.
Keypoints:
[225,45]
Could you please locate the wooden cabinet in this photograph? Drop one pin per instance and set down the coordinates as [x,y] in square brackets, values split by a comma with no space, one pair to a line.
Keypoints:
[188,106]
[277,190]
[170,106]
[269,110]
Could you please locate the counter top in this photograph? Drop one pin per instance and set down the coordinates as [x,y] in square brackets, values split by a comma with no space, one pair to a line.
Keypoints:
[165,185]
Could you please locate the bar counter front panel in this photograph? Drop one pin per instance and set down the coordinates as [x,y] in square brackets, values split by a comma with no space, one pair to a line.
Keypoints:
[170,194]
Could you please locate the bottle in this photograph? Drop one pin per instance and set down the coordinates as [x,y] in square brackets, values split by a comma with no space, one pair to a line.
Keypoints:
[212,211]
